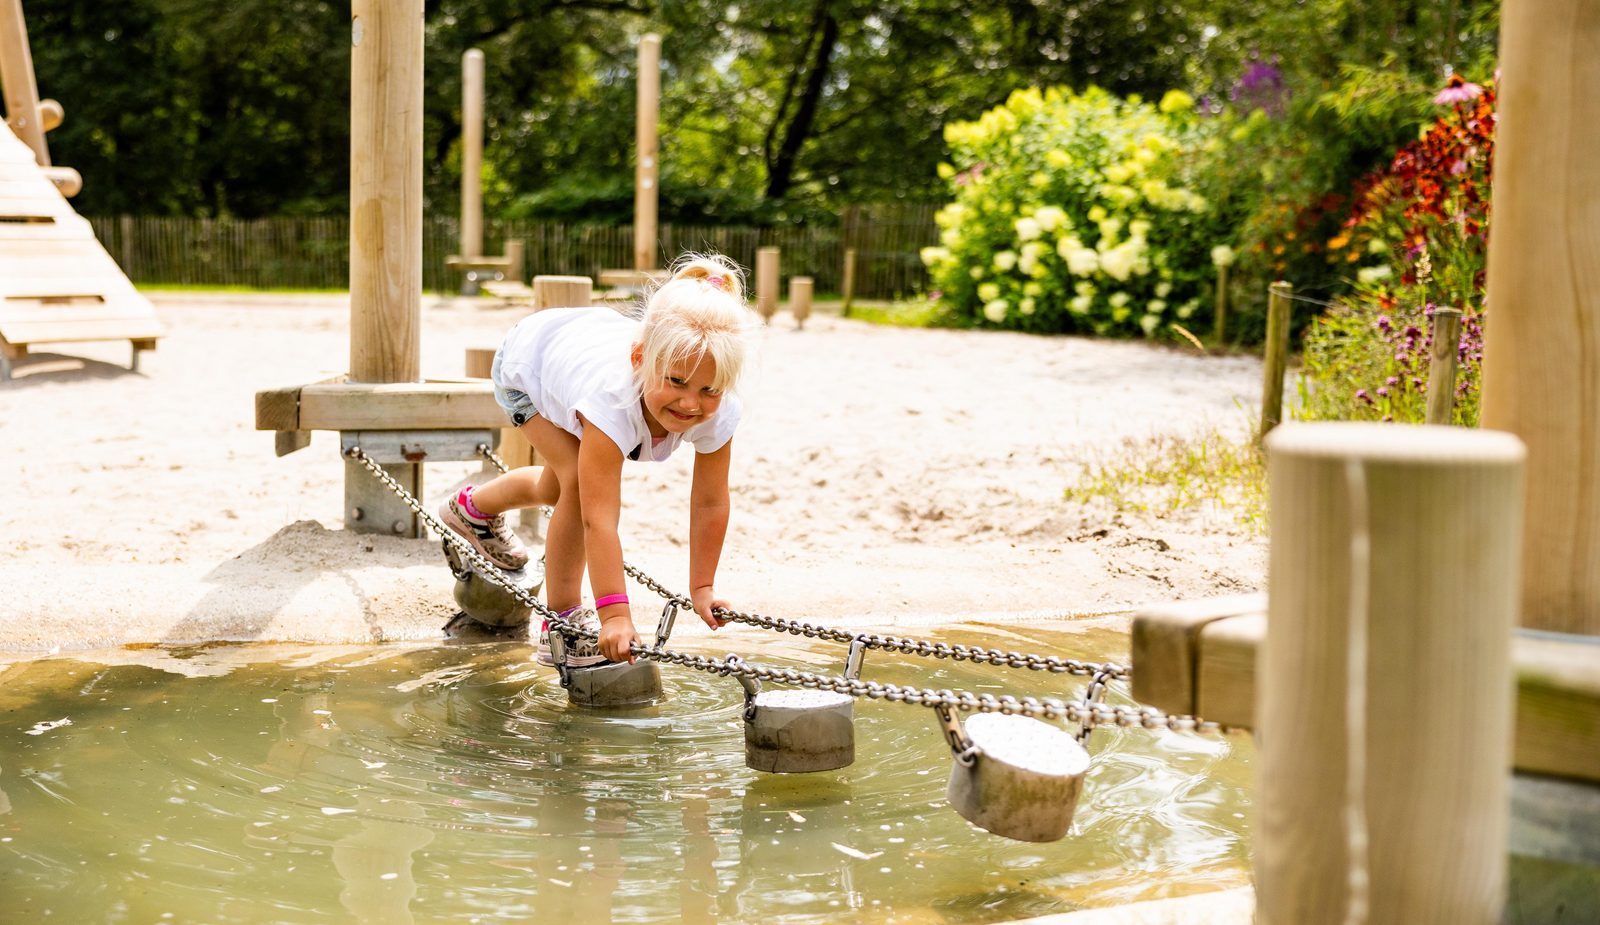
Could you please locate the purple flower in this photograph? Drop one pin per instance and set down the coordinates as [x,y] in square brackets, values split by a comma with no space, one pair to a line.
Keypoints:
[1392,381]
[1385,324]
[1361,395]
[1383,391]
[1261,87]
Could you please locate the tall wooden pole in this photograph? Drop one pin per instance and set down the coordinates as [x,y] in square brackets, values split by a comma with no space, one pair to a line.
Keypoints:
[1541,369]
[1384,709]
[1442,365]
[646,173]
[16,77]
[385,232]
[386,191]
[472,153]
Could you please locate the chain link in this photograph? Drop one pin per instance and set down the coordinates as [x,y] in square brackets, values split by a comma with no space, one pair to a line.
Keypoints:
[1048,708]
[923,648]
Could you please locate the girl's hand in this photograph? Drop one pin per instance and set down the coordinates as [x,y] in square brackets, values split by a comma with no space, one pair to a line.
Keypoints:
[705,599]
[617,636]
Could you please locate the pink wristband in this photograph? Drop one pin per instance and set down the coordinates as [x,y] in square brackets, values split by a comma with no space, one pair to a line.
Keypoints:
[610,599]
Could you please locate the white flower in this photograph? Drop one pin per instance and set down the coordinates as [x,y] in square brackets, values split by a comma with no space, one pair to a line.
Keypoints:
[1079,305]
[1082,262]
[1029,265]
[934,255]
[1033,250]
[988,292]
[950,237]
[1119,299]
[1026,306]
[1005,260]
[1222,255]
[1187,308]
[1118,261]
[1369,275]
[1163,289]
[1032,289]
[995,311]
[1156,306]
[1139,227]
[1027,229]
[1150,323]
[1049,217]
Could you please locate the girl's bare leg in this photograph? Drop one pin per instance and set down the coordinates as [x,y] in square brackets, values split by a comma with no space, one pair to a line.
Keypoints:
[529,486]
[557,484]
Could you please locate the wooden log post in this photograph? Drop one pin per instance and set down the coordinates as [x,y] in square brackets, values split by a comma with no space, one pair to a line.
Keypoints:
[562,292]
[516,260]
[1275,357]
[800,288]
[647,171]
[385,232]
[1384,720]
[21,91]
[471,163]
[1541,367]
[767,281]
[847,286]
[1442,365]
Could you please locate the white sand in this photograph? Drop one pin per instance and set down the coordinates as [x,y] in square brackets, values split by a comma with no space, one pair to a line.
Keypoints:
[884,476]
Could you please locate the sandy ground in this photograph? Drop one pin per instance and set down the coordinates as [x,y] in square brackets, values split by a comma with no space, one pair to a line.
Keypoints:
[883,476]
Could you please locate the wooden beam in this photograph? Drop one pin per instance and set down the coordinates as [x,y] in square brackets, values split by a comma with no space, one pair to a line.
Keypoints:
[1166,647]
[21,91]
[646,169]
[399,406]
[278,409]
[1557,694]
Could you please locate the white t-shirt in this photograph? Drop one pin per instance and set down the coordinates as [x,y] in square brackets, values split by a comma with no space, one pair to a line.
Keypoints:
[573,361]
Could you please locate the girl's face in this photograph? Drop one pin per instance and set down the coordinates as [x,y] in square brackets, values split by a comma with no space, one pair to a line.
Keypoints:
[685,398]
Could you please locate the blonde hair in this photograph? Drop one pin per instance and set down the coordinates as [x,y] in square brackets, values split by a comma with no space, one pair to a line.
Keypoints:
[699,312]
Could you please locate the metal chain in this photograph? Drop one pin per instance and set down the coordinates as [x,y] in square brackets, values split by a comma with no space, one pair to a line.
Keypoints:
[1047,708]
[924,648]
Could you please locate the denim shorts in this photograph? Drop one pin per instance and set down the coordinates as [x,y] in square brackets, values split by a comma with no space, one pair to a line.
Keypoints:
[518,406]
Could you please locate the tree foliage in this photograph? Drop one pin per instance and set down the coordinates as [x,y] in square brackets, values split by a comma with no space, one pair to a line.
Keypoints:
[772,109]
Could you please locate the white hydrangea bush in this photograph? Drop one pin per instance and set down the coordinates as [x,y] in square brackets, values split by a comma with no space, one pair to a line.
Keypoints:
[1076,213]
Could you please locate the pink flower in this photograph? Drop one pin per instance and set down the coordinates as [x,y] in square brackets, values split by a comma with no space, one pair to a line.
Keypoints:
[1459,91]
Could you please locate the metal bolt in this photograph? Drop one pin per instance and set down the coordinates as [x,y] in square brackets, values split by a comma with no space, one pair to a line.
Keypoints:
[400,528]
[357,513]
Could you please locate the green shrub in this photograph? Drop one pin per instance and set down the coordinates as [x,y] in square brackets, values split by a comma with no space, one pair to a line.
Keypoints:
[1077,213]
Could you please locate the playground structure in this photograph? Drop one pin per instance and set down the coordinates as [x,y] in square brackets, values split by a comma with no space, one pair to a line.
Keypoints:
[57,283]
[1383,599]
[499,276]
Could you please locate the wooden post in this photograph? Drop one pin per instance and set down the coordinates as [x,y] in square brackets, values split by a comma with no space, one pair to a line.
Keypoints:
[800,299]
[17,80]
[562,292]
[1384,720]
[848,286]
[516,258]
[1442,365]
[1275,357]
[1222,304]
[471,162]
[646,171]
[767,281]
[1541,368]
[385,231]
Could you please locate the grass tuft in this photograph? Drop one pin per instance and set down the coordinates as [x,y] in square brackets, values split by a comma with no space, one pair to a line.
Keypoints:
[1168,474]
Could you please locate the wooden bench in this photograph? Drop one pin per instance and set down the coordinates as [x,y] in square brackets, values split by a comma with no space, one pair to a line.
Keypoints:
[57,283]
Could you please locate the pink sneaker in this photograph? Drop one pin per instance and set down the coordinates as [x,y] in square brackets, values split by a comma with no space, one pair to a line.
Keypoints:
[582,653]
[490,536]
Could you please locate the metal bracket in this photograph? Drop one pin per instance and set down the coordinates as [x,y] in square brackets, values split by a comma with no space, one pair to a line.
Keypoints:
[558,654]
[857,655]
[393,447]
[751,686]
[669,616]
[966,753]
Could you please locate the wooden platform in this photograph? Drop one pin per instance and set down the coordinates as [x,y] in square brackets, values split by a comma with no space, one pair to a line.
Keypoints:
[57,284]
[295,411]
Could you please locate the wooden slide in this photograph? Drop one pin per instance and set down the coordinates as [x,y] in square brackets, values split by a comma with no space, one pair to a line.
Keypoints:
[57,283]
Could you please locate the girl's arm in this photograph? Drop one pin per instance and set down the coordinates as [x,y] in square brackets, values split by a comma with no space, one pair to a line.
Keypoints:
[600,491]
[708,525]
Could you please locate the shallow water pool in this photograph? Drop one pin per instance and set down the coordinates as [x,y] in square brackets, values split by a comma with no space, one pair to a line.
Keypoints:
[418,783]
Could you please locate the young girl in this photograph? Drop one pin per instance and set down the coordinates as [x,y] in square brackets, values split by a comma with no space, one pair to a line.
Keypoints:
[590,388]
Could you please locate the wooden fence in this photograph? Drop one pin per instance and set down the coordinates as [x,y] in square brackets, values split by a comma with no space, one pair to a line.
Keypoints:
[313,253]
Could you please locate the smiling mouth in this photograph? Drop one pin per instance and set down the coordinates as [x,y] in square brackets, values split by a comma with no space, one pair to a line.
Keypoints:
[680,416]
